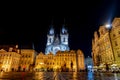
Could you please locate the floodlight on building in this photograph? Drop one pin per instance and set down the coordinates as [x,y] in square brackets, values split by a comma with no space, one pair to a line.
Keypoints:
[108,26]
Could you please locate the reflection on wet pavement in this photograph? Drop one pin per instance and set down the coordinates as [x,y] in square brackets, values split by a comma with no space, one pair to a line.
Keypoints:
[58,76]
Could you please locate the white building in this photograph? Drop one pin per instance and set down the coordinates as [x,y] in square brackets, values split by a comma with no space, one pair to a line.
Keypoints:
[57,43]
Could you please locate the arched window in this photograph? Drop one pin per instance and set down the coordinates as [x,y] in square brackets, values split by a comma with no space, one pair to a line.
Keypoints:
[63,39]
[116,44]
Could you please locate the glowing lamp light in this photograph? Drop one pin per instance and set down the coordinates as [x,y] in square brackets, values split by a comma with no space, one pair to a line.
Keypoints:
[89,66]
[108,26]
[41,63]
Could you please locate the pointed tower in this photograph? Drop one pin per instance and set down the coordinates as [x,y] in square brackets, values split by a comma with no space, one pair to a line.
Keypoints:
[57,43]
[33,46]
[50,36]
[64,36]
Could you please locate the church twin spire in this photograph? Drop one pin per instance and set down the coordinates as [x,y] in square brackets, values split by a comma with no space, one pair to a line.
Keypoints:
[52,37]
[51,32]
[63,30]
[55,42]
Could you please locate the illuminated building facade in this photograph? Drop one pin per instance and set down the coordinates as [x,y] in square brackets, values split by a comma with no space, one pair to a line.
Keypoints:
[9,60]
[54,43]
[95,49]
[61,61]
[57,57]
[115,38]
[105,45]
[27,59]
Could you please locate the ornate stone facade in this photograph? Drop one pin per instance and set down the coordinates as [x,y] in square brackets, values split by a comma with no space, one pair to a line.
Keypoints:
[61,61]
[106,45]
[54,43]
[9,60]
[27,59]
[115,39]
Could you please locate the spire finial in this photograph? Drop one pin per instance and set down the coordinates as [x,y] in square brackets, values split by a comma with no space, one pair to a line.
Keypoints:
[51,31]
[51,26]
[63,26]
[52,21]
[64,21]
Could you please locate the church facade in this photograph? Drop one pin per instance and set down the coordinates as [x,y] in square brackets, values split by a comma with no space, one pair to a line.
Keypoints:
[58,56]
[57,42]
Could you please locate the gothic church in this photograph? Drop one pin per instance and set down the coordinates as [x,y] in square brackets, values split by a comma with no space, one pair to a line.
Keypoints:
[57,43]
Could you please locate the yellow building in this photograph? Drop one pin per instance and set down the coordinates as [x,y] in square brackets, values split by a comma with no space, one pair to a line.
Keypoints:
[61,61]
[106,45]
[115,38]
[9,60]
[102,52]
[27,59]
[95,50]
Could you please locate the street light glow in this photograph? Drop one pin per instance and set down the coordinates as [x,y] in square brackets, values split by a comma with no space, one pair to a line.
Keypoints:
[108,26]
[41,63]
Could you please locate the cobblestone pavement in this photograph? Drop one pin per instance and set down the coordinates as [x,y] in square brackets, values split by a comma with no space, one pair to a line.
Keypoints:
[58,76]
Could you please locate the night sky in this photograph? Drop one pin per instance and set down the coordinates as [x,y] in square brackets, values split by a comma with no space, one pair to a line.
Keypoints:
[30,25]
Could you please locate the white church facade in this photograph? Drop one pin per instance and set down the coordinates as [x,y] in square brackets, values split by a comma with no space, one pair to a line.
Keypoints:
[57,42]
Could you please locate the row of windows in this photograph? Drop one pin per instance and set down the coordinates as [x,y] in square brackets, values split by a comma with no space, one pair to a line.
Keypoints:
[61,58]
[106,58]
[26,56]
[6,62]
[67,55]
[8,55]
[2,57]
[104,48]
[5,54]
[61,55]
[15,55]
[53,63]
